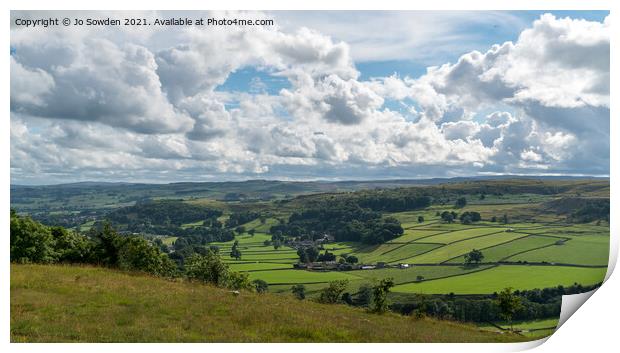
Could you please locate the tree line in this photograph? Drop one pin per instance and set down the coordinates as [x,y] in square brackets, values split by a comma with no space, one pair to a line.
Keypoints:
[33,242]
[343,220]
[519,305]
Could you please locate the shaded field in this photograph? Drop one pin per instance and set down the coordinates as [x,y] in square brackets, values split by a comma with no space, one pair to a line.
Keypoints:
[86,304]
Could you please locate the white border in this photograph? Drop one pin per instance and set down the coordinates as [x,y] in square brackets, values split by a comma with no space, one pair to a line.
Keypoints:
[594,327]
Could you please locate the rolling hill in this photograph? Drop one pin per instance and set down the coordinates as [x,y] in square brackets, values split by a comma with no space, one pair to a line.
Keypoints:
[90,304]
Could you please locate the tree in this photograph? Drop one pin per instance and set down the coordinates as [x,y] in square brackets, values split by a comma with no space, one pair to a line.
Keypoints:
[307,255]
[460,202]
[240,229]
[364,294]
[137,254]
[326,256]
[379,295]
[234,251]
[107,245]
[470,217]
[473,257]
[71,246]
[31,241]
[331,294]
[299,291]
[447,217]
[207,268]
[508,304]
[352,259]
[419,278]
[238,281]
[505,219]
[260,286]
[251,232]
[303,257]
[466,219]
[493,219]
[420,219]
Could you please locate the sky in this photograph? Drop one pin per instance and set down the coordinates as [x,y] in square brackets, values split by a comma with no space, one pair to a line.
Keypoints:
[318,96]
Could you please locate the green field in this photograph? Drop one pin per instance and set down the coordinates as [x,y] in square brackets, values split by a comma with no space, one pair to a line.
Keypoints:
[257,266]
[301,276]
[435,242]
[168,240]
[411,274]
[581,250]
[457,249]
[498,278]
[414,234]
[504,251]
[391,252]
[451,237]
[532,328]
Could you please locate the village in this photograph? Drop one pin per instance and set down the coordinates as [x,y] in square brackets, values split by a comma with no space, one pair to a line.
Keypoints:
[332,265]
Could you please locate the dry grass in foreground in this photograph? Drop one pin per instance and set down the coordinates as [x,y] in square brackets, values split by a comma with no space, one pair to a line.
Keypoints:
[90,304]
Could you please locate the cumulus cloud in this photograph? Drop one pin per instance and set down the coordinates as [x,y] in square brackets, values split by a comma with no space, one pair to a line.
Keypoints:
[108,83]
[28,87]
[117,105]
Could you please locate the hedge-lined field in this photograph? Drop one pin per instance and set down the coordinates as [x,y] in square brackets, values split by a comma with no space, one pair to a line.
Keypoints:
[497,278]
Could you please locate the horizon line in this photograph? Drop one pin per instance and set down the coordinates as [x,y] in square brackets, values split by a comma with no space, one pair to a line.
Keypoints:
[334,180]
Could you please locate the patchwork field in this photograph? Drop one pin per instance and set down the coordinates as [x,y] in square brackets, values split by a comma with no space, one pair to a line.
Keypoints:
[435,252]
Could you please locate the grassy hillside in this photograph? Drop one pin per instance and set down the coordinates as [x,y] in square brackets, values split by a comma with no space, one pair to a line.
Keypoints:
[88,304]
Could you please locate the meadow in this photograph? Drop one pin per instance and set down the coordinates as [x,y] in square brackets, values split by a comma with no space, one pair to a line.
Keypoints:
[90,304]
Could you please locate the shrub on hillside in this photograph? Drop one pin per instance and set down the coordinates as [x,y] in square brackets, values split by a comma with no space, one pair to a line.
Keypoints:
[332,293]
[31,241]
[137,254]
[71,246]
[207,268]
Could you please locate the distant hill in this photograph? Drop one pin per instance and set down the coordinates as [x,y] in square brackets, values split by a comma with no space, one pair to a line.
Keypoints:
[94,195]
[89,304]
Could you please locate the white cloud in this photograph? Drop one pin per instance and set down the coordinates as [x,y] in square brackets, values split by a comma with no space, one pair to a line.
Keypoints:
[28,87]
[116,106]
